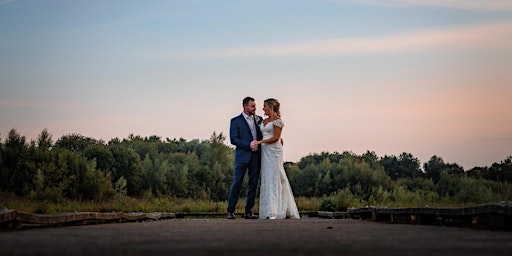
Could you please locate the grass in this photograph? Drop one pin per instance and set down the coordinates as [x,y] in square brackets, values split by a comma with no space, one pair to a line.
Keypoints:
[184,205]
[129,204]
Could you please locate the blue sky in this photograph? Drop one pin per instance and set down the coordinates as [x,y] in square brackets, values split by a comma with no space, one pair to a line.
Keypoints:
[427,77]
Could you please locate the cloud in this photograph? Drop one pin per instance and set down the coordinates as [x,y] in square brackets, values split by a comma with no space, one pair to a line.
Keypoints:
[489,5]
[31,104]
[6,2]
[488,37]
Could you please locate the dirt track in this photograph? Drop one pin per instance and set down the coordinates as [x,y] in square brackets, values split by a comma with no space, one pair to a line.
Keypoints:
[309,236]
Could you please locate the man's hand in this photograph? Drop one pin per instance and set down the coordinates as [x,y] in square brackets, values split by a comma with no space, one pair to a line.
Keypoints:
[254,145]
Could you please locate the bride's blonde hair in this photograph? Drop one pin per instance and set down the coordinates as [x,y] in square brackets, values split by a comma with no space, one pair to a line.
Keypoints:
[274,105]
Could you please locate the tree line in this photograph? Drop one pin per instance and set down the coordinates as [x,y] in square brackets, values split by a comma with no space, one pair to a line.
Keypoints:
[77,167]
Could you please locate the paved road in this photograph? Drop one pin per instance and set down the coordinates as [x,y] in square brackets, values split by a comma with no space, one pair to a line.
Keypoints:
[308,236]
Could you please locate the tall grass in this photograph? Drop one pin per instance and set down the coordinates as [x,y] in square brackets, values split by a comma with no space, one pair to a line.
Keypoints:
[339,201]
[130,204]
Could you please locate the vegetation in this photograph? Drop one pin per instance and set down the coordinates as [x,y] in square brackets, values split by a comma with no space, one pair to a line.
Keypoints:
[78,173]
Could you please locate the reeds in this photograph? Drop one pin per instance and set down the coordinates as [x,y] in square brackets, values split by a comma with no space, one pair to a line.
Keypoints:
[130,204]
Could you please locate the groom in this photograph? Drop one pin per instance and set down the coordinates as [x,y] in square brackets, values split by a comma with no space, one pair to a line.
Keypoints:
[242,131]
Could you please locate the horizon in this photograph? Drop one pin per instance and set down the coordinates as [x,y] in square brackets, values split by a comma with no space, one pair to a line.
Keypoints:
[226,142]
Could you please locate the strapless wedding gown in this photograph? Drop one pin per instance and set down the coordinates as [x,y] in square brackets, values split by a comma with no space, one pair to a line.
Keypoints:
[276,197]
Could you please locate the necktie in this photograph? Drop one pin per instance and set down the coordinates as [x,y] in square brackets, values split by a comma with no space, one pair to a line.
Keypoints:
[252,126]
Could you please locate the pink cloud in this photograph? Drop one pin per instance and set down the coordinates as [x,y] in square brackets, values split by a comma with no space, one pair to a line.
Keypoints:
[488,37]
[489,5]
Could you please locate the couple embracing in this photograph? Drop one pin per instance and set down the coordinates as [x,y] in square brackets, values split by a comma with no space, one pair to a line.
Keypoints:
[259,149]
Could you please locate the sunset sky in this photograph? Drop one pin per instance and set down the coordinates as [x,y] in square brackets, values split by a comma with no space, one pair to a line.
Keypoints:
[426,77]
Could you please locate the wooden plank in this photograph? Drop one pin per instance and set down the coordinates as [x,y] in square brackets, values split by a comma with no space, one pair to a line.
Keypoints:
[62,218]
[7,215]
[361,213]
[505,209]
[323,214]
[333,215]
[487,216]
[147,216]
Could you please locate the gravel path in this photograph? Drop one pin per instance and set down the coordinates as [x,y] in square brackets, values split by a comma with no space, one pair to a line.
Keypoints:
[308,236]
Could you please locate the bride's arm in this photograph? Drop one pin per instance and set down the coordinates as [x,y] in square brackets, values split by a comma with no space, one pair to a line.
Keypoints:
[275,138]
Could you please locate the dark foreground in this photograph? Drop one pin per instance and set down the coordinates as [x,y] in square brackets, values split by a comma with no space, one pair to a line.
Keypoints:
[308,236]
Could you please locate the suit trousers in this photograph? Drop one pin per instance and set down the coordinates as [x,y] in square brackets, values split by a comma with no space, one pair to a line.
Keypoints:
[253,170]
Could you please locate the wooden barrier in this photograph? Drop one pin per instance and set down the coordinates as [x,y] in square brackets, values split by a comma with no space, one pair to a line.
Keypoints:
[12,219]
[486,216]
[333,215]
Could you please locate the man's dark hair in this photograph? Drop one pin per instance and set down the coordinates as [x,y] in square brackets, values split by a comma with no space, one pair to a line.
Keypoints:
[246,100]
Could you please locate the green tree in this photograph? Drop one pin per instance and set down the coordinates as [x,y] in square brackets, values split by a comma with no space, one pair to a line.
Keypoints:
[126,164]
[409,166]
[95,184]
[102,155]
[44,140]
[475,191]
[177,178]
[391,166]
[75,142]
[501,172]
[478,172]
[19,171]
[304,181]
[3,180]
[217,171]
[154,175]
[405,166]
[433,168]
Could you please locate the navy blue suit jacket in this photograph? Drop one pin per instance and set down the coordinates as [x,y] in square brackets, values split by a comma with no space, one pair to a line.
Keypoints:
[241,137]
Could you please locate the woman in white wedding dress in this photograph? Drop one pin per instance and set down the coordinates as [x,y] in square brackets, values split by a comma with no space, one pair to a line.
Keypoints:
[276,197]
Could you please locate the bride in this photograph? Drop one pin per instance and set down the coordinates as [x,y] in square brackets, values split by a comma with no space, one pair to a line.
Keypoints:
[276,197]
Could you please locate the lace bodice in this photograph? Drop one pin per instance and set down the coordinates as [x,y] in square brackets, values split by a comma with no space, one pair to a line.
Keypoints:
[268,129]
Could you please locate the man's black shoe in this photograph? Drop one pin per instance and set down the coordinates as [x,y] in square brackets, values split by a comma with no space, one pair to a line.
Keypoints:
[249,216]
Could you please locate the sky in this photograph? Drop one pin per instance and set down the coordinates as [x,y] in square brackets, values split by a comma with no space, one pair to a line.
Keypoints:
[425,77]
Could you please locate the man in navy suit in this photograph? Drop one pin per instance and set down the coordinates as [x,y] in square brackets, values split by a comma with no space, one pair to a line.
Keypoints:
[242,131]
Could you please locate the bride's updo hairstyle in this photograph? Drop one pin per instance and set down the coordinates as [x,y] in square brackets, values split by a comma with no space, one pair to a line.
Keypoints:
[274,105]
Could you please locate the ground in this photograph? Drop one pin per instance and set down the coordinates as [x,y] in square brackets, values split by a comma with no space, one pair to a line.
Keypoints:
[210,236]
